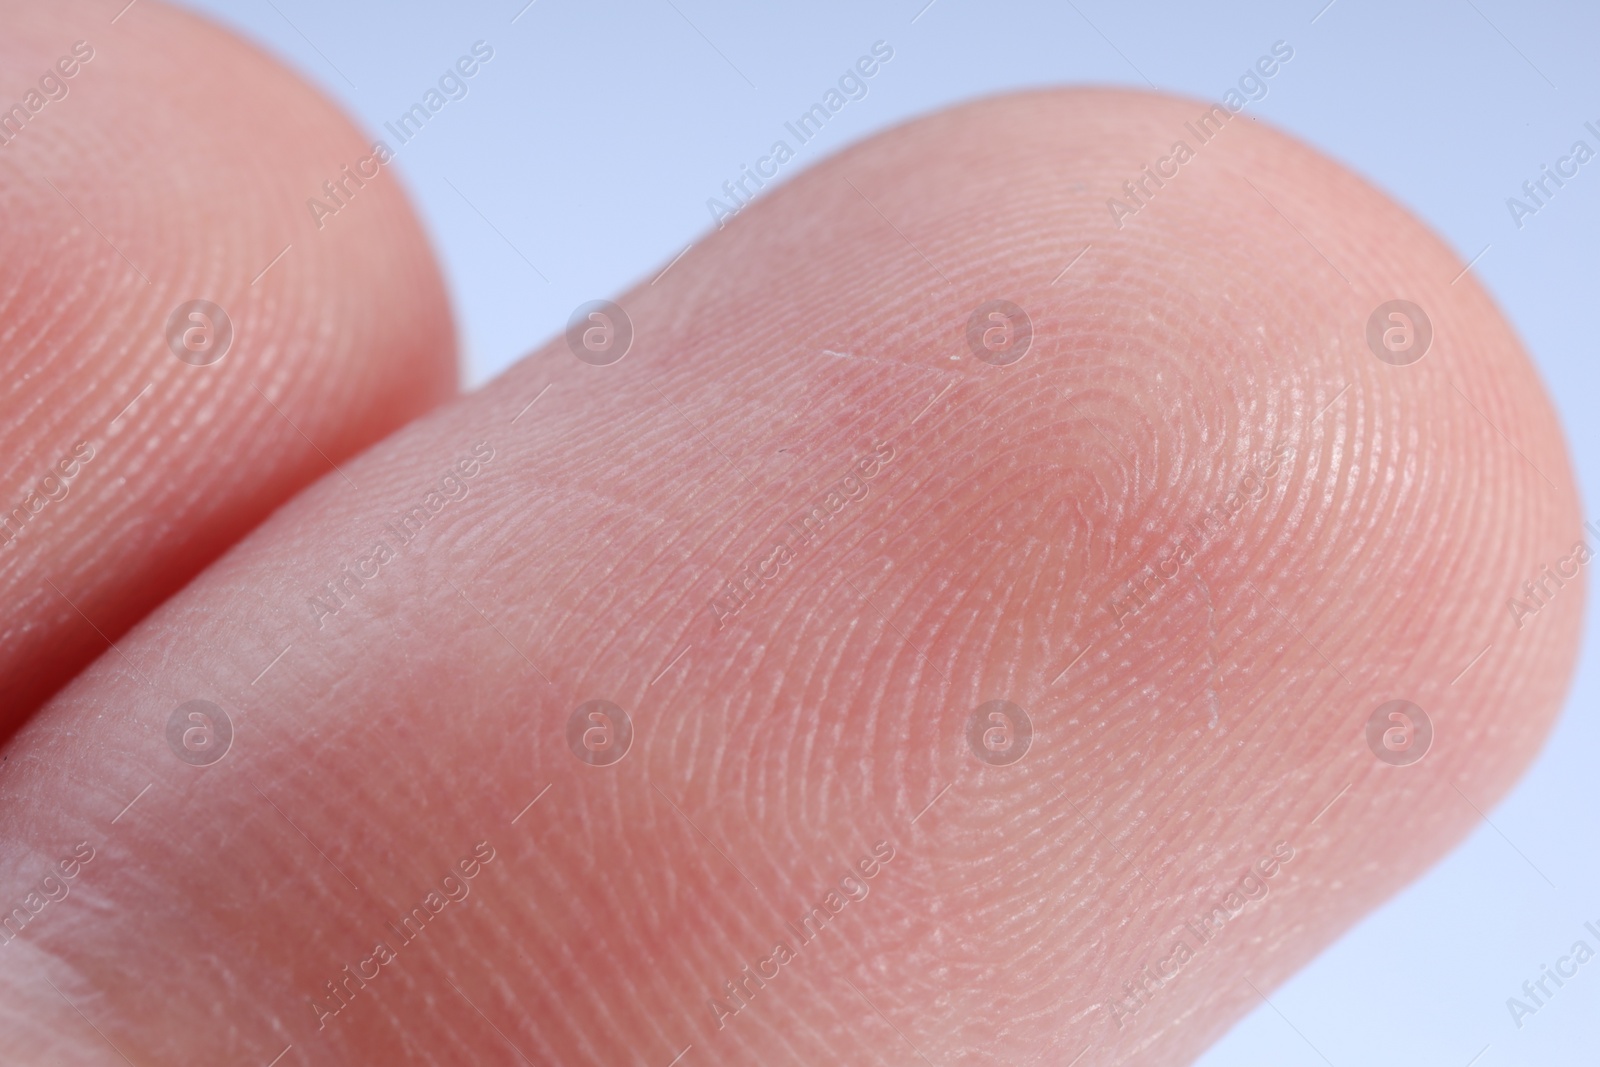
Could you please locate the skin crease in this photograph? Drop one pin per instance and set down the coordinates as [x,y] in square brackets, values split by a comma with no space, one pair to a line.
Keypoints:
[345,338]
[775,748]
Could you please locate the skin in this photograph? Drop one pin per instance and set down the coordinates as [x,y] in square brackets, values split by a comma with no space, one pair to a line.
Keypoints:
[345,338]
[1175,747]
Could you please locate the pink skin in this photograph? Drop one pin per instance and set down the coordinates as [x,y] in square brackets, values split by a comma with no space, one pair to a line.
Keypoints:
[1184,754]
[193,155]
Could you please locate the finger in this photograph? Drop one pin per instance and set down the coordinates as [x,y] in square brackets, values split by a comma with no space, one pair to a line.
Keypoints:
[803,534]
[145,432]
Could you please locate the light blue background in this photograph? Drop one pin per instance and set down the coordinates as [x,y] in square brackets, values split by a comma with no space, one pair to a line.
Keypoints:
[594,137]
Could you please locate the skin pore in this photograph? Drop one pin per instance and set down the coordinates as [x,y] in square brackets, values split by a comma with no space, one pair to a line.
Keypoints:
[1197,534]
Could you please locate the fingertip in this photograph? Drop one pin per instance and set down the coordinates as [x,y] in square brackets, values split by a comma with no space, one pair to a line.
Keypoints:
[175,307]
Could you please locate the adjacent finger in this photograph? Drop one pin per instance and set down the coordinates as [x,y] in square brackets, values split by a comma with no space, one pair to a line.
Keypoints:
[185,345]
